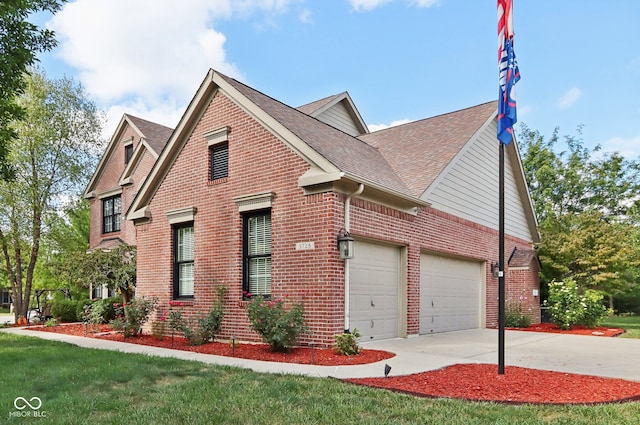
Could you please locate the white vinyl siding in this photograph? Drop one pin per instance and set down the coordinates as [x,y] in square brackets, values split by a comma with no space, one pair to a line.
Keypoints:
[468,188]
[337,116]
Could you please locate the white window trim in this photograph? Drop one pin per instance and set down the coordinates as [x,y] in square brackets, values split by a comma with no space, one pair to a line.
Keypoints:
[219,135]
[254,202]
[181,215]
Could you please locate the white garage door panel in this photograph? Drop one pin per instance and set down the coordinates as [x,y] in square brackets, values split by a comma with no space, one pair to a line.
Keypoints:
[450,294]
[374,277]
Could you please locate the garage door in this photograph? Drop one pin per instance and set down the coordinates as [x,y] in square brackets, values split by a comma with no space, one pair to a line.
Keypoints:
[374,282]
[450,294]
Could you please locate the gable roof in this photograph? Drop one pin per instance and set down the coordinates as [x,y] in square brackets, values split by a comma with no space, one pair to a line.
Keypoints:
[399,166]
[435,142]
[347,153]
[156,135]
[332,154]
[153,136]
[323,108]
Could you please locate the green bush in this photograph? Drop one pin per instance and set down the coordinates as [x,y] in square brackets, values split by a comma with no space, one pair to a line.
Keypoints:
[593,309]
[515,317]
[346,343]
[132,316]
[568,308]
[278,327]
[101,311]
[203,329]
[67,310]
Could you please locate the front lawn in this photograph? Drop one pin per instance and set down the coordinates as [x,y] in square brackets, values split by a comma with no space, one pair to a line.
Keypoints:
[78,385]
[629,323]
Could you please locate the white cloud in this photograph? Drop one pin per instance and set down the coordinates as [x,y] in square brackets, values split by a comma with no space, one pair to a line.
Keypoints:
[305,17]
[377,127]
[569,98]
[629,148]
[136,56]
[359,5]
[366,5]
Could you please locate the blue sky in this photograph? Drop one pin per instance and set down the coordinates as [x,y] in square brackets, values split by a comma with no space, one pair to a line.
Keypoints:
[400,60]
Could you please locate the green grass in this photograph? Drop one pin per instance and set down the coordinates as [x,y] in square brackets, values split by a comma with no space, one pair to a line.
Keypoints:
[84,386]
[629,323]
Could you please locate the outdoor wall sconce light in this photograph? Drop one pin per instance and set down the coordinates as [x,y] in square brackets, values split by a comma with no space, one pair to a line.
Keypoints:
[345,244]
[495,269]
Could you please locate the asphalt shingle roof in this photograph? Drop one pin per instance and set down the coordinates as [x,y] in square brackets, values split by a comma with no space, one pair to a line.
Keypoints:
[347,153]
[156,135]
[419,151]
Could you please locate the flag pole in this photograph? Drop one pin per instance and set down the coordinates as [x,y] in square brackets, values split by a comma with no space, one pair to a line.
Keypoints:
[509,76]
[501,282]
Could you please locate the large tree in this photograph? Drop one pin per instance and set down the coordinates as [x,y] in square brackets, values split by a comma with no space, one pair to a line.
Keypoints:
[20,42]
[55,152]
[64,249]
[587,203]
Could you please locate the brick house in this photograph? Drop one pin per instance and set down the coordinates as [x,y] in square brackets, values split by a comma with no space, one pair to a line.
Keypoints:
[253,194]
[130,154]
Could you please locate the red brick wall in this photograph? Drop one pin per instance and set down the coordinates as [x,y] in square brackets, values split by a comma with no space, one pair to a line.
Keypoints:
[259,162]
[110,180]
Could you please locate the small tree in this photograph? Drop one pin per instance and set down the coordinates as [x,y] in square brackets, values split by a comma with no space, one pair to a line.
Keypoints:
[115,268]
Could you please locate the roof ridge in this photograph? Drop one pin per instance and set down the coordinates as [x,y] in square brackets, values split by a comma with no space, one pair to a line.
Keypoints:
[431,117]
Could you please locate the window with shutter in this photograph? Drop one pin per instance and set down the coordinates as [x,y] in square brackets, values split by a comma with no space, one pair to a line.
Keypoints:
[219,161]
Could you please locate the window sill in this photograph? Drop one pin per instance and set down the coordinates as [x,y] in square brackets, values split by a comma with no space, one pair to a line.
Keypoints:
[217,181]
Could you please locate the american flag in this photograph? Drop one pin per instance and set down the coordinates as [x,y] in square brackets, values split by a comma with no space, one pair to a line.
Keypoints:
[509,73]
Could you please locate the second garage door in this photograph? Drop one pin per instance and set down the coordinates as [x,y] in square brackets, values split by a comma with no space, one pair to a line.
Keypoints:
[450,294]
[374,282]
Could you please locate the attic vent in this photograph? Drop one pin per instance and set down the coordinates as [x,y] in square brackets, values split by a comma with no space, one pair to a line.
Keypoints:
[257,201]
[217,136]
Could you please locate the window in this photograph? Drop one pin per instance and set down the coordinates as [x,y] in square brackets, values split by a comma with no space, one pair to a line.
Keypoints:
[183,271]
[257,254]
[219,161]
[111,208]
[128,153]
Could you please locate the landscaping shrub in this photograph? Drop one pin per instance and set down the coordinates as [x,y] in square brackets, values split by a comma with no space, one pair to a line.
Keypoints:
[132,316]
[568,308]
[346,343]
[515,316]
[67,310]
[593,309]
[203,329]
[278,327]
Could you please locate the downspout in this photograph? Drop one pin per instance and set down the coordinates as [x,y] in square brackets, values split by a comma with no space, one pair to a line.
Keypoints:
[347,224]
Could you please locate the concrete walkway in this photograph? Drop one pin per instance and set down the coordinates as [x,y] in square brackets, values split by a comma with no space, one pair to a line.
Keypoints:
[589,355]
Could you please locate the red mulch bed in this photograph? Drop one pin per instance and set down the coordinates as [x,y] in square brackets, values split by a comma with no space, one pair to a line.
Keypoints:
[301,355]
[575,330]
[481,382]
[476,382]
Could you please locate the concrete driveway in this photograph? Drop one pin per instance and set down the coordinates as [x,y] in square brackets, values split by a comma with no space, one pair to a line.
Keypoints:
[589,355]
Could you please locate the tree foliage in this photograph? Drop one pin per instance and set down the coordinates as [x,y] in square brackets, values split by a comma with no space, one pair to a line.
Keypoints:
[63,248]
[55,152]
[586,203]
[115,268]
[20,42]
